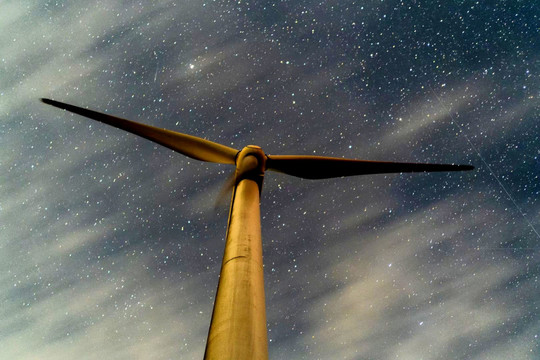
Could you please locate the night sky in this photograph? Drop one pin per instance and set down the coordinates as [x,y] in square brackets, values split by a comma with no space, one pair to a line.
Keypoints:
[111,246]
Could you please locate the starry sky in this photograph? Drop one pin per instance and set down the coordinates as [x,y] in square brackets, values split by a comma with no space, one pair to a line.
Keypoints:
[110,245]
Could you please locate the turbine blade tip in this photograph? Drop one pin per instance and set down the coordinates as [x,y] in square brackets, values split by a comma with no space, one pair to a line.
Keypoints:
[49,102]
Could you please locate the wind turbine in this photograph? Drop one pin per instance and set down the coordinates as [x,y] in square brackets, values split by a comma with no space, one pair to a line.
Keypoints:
[238,326]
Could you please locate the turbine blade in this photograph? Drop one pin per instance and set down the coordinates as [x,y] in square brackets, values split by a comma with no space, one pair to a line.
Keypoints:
[225,192]
[321,167]
[191,146]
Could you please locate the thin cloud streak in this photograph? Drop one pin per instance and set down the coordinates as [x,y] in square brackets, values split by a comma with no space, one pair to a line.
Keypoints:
[447,303]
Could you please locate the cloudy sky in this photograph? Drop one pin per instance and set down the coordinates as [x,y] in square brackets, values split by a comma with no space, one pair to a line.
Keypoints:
[110,245]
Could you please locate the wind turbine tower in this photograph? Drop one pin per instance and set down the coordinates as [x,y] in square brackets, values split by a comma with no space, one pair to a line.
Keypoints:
[238,326]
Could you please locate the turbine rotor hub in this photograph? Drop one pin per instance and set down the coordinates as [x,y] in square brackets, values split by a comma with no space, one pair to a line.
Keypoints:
[250,164]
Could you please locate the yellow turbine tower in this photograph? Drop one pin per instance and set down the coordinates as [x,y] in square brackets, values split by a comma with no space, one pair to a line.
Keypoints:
[238,326]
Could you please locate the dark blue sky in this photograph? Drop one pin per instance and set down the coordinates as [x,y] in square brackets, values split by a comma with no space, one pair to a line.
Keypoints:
[111,245]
